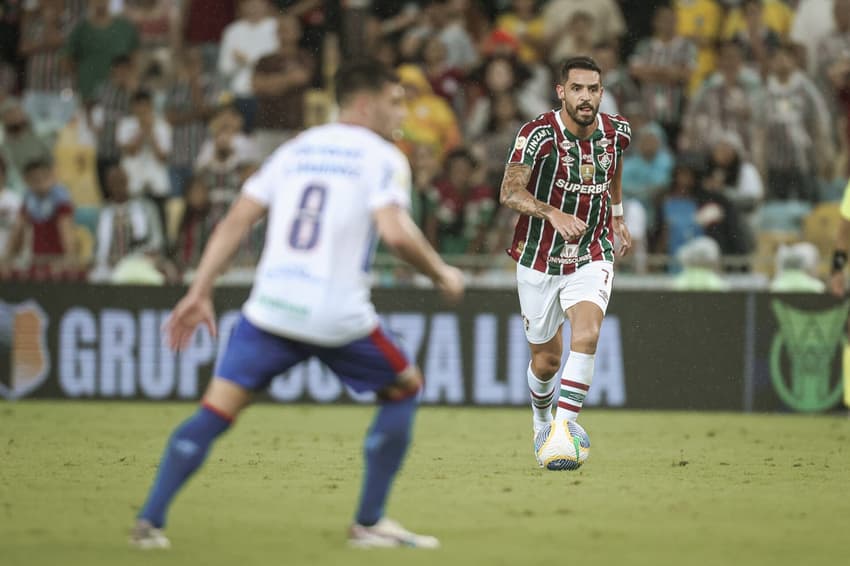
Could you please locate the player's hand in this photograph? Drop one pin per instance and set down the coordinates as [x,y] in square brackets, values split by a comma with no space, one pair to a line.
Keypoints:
[622,232]
[191,311]
[837,284]
[451,283]
[568,226]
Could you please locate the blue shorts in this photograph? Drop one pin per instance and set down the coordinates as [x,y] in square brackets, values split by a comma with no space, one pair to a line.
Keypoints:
[254,357]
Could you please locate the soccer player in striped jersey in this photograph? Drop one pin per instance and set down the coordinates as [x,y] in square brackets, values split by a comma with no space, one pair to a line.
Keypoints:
[563,176]
[328,194]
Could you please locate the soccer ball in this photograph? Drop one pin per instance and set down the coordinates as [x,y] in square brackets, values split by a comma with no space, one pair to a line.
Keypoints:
[561,446]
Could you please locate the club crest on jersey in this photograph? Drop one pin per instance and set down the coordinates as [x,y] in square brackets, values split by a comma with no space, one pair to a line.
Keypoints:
[520,142]
[605,160]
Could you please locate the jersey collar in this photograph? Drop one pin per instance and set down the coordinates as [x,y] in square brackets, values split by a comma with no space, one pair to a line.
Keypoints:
[598,133]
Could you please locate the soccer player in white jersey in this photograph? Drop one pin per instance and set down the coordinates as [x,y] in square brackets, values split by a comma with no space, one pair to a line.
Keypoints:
[563,176]
[328,194]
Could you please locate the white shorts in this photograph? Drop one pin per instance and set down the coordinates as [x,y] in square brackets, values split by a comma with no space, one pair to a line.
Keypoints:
[544,299]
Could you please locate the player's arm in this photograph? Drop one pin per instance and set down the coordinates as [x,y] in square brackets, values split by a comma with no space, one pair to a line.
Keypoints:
[514,195]
[619,219]
[224,242]
[405,239]
[196,307]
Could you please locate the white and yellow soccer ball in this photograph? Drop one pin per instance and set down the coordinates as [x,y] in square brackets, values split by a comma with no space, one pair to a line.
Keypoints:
[561,446]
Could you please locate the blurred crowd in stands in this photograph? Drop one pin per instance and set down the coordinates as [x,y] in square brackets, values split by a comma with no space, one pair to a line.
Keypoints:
[129,125]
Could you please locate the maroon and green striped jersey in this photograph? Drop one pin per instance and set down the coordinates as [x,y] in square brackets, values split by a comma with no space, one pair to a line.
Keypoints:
[575,176]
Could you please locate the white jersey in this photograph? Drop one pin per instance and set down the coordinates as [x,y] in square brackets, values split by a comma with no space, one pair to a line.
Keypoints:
[321,188]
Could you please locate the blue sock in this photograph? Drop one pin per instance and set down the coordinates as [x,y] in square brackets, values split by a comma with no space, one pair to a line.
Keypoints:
[185,452]
[384,449]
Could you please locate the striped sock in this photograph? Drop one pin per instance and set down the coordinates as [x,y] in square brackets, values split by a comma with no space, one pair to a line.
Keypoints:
[575,383]
[542,395]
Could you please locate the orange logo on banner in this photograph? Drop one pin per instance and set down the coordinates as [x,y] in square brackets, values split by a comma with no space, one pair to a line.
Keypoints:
[24,359]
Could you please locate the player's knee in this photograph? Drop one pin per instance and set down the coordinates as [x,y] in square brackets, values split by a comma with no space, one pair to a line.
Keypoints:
[585,338]
[545,365]
[407,386]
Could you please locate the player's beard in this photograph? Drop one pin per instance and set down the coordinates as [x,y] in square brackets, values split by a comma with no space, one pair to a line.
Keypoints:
[573,112]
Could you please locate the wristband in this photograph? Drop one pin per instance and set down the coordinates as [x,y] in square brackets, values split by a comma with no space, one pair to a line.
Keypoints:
[617,209]
[839,260]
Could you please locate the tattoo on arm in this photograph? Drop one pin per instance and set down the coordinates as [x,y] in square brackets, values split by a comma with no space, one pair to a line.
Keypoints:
[514,193]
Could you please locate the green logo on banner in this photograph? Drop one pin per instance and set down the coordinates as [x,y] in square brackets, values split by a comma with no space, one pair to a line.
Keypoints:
[811,340]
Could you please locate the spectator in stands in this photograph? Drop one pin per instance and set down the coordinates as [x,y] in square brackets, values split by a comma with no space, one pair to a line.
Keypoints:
[426,169]
[21,144]
[775,15]
[524,22]
[195,226]
[314,15]
[47,88]
[440,17]
[244,42]
[755,36]
[719,217]
[112,103]
[618,82]
[795,131]
[190,102]
[10,205]
[94,43]
[700,259]
[429,118]
[663,64]
[203,27]
[731,174]
[575,36]
[608,22]
[728,101]
[834,72]
[499,75]
[699,21]
[145,141]
[676,217]
[280,82]
[127,225]
[226,159]
[647,172]
[10,24]
[445,81]
[796,269]
[503,123]
[75,163]
[834,49]
[813,21]
[157,21]
[463,210]
[46,223]
[535,93]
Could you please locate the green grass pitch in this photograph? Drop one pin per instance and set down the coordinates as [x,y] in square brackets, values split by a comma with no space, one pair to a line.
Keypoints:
[659,488]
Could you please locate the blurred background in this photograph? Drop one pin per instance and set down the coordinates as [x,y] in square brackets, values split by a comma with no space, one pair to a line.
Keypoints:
[129,125]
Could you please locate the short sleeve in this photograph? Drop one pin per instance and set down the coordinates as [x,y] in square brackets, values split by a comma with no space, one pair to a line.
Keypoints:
[530,143]
[394,182]
[163,135]
[261,185]
[622,131]
[126,130]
